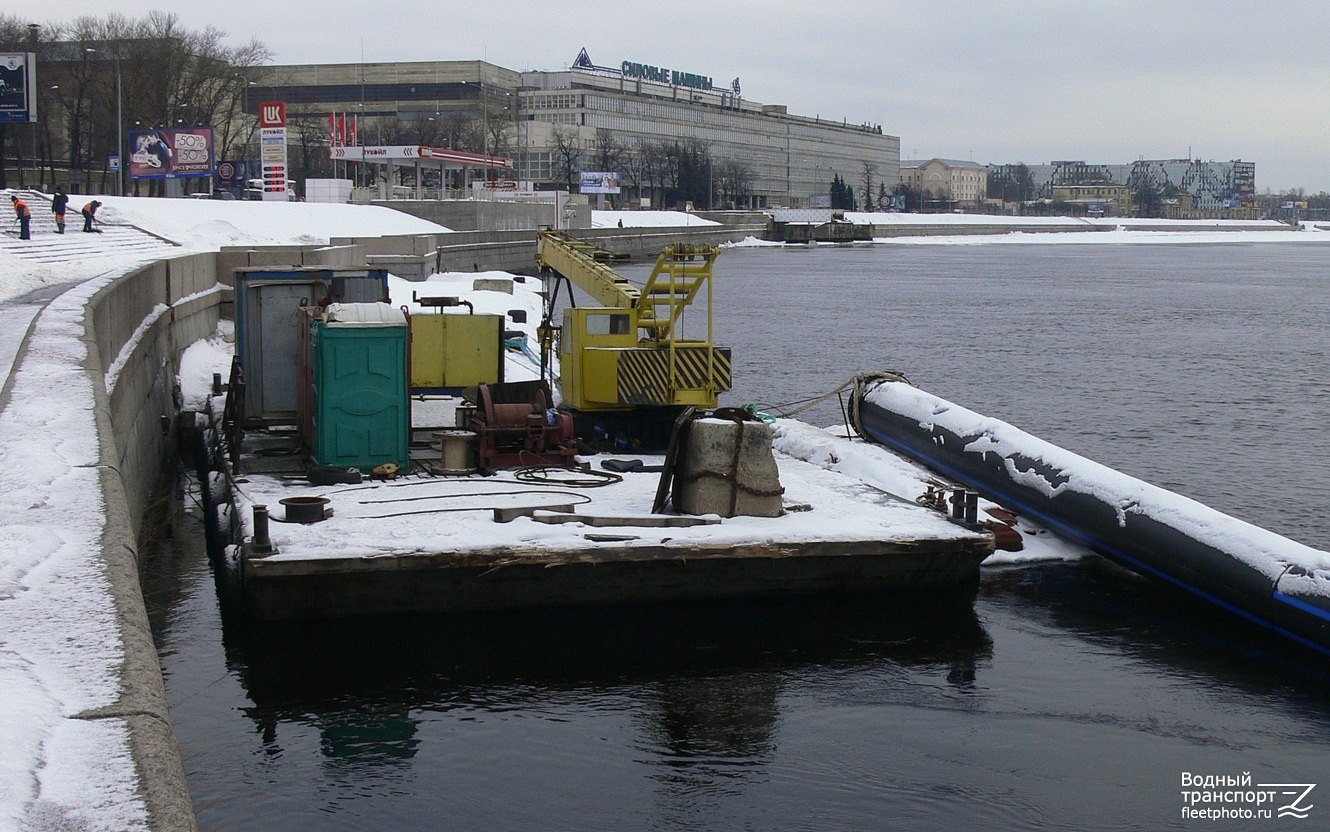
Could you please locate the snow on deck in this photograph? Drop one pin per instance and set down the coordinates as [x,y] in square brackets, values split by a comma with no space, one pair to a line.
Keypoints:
[429,515]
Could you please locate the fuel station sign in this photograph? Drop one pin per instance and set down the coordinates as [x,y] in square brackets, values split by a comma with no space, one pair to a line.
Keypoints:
[272,150]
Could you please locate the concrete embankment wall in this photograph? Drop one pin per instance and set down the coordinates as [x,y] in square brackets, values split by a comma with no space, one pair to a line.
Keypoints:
[137,326]
[416,256]
[493,215]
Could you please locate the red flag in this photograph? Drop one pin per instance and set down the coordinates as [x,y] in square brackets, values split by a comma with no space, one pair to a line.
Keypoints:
[341,131]
[332,130]
[351,140]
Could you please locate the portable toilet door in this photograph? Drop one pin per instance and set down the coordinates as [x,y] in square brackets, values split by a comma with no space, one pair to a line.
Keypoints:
[362,404]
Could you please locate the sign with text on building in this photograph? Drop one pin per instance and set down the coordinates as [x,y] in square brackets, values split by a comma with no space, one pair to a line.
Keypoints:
[272,150]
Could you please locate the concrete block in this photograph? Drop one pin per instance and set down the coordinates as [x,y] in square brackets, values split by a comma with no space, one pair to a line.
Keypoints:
[493,284]
[728,468]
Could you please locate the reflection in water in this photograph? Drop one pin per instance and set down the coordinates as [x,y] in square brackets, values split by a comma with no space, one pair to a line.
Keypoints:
[707,677]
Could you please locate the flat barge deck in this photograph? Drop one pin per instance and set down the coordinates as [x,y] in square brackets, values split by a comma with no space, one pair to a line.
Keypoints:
[458,543]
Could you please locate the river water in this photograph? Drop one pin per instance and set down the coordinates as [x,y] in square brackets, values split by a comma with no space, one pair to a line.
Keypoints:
[1067,695]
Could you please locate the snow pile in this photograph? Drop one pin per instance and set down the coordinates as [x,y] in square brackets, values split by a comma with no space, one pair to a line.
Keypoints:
[202,224]
[647,219]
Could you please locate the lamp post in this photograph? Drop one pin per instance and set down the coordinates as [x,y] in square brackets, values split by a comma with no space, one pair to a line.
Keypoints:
[245,125]
[119,123]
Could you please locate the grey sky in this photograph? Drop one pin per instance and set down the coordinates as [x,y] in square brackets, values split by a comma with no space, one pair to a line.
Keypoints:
[995,82]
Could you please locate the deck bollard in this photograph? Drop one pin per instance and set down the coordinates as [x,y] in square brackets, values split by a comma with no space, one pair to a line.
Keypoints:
[957,503]
[261,544]
[972,506]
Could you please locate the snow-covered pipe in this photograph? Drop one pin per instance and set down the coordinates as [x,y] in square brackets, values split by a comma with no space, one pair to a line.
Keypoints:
[1259,575]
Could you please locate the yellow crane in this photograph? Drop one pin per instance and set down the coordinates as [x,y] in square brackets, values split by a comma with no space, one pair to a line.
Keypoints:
[630,352]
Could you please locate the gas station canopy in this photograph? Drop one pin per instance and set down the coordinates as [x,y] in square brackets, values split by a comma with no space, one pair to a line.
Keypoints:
[419,157]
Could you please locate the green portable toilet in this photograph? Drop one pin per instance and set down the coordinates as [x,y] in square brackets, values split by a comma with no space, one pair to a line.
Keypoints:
[361,404]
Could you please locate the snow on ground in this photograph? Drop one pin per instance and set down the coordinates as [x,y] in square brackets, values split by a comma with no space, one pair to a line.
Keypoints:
[196,225]
[60,654]
[201,224]
[646,219]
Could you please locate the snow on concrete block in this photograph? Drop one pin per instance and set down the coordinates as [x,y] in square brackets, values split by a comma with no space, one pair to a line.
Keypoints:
[493,284]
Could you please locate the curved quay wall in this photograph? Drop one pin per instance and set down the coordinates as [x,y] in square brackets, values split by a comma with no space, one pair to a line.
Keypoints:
[136,327]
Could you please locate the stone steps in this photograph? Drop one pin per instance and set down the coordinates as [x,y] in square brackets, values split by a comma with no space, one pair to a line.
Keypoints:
[48,247]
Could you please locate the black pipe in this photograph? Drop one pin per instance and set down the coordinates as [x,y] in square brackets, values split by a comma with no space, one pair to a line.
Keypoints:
[1251,572]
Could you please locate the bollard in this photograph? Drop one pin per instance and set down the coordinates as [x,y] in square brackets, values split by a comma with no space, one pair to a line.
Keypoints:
[972,506]
[958,503]
[261,544]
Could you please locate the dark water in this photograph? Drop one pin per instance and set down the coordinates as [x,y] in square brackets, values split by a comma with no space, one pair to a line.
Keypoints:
[1065,696]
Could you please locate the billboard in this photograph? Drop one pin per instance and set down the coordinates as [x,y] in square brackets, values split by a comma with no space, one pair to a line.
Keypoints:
[597,182]
[18,87]
[170,153]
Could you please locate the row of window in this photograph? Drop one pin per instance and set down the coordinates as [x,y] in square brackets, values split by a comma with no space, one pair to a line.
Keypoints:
[557,101]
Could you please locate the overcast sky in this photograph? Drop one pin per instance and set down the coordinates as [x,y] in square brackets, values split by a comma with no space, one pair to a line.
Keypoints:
[1036,81]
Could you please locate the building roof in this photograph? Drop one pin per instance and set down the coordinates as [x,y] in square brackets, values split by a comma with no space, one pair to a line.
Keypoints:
[951,163]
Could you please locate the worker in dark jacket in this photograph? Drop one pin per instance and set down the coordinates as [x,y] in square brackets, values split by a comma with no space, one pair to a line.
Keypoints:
[59,203]
[89,214]
[24,217]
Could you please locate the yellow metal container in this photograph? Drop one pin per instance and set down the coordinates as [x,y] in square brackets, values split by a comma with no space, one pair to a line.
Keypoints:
[455,351]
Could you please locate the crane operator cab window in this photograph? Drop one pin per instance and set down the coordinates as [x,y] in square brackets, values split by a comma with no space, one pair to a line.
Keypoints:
[610,324]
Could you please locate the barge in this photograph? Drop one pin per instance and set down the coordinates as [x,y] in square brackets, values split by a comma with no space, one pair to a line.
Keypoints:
[357,480]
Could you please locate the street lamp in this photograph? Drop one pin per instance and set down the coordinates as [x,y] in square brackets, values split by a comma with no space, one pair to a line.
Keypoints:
[119,124]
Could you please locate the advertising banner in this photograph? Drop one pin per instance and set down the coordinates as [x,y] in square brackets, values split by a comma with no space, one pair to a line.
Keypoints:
[600,182]
[170,153]
[18,87]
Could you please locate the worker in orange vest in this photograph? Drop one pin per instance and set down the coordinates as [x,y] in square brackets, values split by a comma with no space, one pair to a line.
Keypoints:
[24,217]
[89,214]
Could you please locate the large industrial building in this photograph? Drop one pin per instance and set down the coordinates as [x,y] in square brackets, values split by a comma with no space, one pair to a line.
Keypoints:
[629,117]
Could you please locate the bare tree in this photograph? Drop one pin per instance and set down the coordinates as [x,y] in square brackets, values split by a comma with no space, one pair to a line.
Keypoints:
[608,153]
[734,183]
[103,77]
[566,156]
[867,176]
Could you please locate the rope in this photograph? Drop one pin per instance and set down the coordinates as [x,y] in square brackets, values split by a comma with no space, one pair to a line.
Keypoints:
[861,384]
[857,384]
[577,478]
